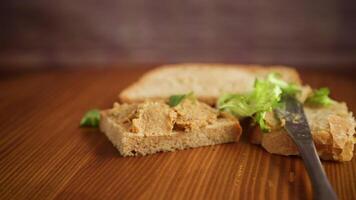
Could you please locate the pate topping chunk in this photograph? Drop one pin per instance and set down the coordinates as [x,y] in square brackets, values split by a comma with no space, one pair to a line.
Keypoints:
[194,115]
[157,118]
[123,113]
[153,118]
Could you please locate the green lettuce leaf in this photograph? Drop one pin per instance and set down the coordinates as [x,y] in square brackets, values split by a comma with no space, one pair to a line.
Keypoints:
[265,96]
[174,100]
[287,88]
[260,120]
[91,118]
[320,97]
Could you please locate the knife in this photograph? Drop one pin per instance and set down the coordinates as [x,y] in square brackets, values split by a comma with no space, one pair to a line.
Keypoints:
[297,127]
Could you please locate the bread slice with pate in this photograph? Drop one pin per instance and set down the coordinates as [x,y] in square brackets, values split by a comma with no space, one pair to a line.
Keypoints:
[332,128]
[153,126]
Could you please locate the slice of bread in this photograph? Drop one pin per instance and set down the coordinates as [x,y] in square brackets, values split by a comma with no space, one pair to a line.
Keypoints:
[207,81]
[332,127]
[151,127]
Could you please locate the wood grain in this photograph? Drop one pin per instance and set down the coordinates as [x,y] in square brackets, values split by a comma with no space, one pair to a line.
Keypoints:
[44,155]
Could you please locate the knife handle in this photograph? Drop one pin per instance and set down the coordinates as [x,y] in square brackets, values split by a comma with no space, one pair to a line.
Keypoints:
[321,185]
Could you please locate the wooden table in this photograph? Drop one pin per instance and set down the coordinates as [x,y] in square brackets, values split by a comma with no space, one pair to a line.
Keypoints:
[45,155]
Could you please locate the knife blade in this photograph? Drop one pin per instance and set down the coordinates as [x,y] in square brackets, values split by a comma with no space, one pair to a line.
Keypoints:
[297,127]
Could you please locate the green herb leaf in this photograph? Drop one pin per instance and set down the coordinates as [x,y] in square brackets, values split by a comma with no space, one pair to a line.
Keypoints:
[265,96]
[287,88]
[260,120]
[320,97]
[236,104]
[91,118]
[174,100]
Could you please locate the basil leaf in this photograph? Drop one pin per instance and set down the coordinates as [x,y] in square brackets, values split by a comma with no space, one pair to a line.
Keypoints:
[91,118]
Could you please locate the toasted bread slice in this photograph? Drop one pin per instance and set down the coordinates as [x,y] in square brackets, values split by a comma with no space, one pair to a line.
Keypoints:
[207,81]
[151,127]
[332,127]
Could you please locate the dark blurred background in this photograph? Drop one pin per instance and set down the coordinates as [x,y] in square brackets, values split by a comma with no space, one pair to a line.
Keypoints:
[93,33]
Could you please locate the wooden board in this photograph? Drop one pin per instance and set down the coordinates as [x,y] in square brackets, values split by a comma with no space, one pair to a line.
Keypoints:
[44,155]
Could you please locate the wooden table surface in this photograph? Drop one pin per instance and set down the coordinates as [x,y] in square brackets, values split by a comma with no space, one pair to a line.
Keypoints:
[45,155]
